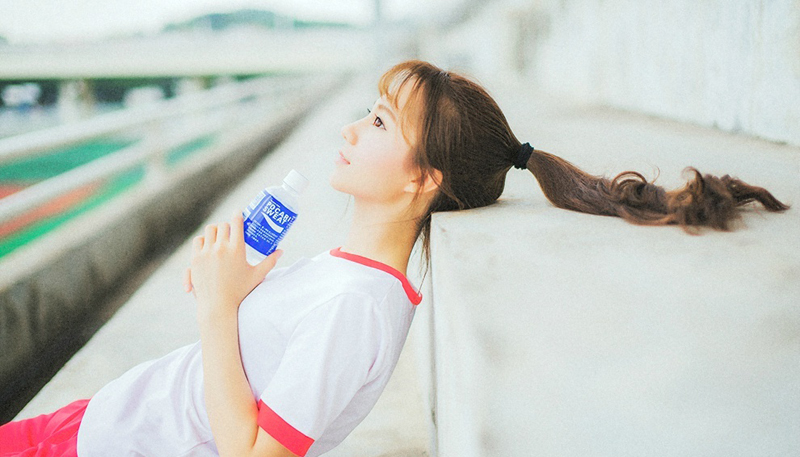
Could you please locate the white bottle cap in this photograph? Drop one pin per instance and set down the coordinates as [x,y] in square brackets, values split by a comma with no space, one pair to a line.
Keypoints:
[296,181]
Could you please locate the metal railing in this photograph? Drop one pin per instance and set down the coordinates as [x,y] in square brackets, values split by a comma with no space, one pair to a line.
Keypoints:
[163,125]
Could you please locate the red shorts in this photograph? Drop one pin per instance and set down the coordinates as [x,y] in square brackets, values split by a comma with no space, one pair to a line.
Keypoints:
[47,435]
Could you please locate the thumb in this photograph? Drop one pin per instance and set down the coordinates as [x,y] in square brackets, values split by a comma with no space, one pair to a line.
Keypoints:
[268,263]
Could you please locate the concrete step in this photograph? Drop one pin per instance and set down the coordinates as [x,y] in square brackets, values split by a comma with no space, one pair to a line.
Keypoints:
[552,332]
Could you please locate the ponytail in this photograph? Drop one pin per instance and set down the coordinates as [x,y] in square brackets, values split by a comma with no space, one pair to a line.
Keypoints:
[706,200]
[462,132]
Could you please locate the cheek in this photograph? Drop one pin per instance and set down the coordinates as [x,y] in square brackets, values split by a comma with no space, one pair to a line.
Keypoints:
[386,165]
[380,175]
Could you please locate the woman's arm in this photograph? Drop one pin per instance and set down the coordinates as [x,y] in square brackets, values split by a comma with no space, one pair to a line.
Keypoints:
[221,278]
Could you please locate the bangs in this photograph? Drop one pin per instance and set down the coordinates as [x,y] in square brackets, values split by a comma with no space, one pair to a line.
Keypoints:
[392,83]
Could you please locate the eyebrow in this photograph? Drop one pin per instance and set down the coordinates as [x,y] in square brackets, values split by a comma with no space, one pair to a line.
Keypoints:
[383,106]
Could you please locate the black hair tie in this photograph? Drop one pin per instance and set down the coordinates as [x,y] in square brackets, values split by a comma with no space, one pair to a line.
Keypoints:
[523,155]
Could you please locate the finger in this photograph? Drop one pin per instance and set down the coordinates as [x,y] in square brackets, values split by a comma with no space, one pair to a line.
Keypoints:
[268,263]
[197,244]
[187,280]
[237,228]
[224,233]
[210,235]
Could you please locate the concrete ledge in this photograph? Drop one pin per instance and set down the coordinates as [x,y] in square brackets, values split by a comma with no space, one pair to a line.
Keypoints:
[550,332]
[51,289]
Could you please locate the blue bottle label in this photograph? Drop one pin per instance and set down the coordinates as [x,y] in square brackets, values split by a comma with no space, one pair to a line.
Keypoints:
[266,221]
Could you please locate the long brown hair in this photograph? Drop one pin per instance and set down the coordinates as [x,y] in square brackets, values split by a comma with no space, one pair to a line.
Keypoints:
[459,130]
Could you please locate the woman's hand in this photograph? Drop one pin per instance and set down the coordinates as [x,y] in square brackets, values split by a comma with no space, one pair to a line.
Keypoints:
[219,274]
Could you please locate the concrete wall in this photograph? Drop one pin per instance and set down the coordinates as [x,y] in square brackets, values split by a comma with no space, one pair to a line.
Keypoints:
[730,64]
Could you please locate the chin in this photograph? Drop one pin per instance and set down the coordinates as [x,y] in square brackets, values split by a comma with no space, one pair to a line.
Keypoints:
[333,181]
[338,183]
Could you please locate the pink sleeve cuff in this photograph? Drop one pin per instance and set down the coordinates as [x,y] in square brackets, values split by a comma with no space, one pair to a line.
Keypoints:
[288,436]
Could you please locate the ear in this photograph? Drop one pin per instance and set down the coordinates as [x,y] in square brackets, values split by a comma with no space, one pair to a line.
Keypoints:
[432,182]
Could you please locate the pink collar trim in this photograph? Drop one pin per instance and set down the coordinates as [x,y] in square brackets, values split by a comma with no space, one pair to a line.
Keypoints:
[413,295]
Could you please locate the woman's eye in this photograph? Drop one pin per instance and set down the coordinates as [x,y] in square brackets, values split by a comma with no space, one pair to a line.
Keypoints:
[377,122]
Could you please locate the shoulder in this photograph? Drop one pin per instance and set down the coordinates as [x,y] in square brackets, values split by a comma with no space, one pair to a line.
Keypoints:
[350,281]
[348,306]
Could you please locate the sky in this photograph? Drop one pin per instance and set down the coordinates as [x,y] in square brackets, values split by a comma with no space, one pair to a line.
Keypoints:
[30,21]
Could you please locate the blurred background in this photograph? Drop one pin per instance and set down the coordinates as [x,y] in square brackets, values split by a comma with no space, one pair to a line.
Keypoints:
[65,64]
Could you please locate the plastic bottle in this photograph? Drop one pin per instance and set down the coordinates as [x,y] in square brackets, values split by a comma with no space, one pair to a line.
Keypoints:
[269,216]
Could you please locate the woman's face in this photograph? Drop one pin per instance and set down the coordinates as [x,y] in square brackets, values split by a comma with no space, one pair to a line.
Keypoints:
[375,163]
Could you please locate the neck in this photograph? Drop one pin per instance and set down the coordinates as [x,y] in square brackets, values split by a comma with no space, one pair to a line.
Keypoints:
[381,234]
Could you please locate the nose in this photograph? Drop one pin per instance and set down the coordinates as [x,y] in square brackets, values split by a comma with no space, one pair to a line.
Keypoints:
[349,133]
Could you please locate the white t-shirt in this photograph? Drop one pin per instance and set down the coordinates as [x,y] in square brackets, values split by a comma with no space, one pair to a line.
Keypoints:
[319,340]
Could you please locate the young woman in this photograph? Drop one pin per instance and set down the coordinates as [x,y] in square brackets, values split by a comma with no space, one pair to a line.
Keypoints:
[290,360]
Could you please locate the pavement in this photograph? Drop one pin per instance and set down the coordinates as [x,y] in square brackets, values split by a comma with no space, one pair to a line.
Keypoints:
[160,317]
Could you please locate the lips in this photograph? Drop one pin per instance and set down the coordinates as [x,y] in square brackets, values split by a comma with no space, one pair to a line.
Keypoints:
[343,158]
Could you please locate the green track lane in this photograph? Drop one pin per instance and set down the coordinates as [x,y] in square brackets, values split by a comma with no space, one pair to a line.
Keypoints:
[41,167]
[46,166]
